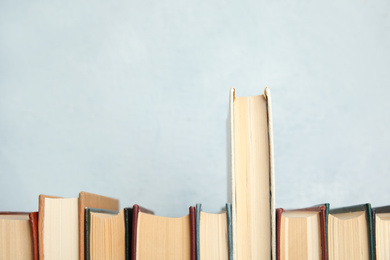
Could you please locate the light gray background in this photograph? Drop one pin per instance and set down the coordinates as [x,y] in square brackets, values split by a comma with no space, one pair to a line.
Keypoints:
[130,99]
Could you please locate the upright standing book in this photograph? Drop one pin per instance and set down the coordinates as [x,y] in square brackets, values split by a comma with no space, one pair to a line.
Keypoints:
[156,237]
[105,234]
[381,229]
[16,238]
[301,233]
[61,224]
[213,234]
[350,233]
[253,192]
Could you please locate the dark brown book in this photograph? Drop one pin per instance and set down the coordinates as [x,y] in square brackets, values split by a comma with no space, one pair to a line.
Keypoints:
[156,237]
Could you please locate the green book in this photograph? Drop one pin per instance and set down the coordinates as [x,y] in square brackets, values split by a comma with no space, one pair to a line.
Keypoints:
[350,234]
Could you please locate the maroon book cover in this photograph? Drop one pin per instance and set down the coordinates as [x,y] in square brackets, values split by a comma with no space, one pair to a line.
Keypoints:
[322,210]
[193,232]
[33,216]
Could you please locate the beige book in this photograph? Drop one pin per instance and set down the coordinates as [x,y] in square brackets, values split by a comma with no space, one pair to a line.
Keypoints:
[253,194]
[381,228]
[382,236]
[213,236]
[61,224]
[157,237]
[300,235]
[350,233]
[15,237]
[106,235]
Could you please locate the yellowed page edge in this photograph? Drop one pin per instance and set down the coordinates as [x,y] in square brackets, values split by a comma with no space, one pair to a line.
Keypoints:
[232,97]
[267,94]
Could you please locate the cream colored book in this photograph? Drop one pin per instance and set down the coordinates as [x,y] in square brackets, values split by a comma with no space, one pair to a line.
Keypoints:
[213,234]
[156,237]
[381,229]
[301,233]
[253,193]
[15,236]
[350,233]
[105,234]
[61,224]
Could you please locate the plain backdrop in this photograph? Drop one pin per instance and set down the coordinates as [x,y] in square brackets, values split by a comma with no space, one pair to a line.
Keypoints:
[130,99]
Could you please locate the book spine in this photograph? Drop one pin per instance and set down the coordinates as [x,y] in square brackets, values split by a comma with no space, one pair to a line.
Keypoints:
[33,217]
[370,232]
[86,234]
[128,232]
[229,228]
[198,208]
[134,232]
[324,243]
[278,228]
[193,232]
[374,230]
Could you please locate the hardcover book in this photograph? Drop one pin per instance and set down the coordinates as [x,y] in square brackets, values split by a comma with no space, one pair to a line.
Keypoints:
[381,229]
[16,240]
[105,234]
[350,233]
[213,234]
[61,224]
[301,233]
[253,192]
[156,237]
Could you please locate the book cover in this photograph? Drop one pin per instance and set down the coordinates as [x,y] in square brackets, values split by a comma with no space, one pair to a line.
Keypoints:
[33,218]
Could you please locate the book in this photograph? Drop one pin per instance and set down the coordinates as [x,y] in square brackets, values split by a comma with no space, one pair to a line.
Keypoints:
[350,233]
[213,234]
[381,229]
[301,233]
[252,165]
[61,224]
[156,237]
[33,218]
[129,231]
[16,241]
[105,234]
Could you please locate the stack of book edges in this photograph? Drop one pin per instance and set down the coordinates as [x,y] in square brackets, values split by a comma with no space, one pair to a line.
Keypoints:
[93,226]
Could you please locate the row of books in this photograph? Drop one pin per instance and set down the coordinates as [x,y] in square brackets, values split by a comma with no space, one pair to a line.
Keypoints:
[92,227]
[355,232]
[247,231]
[251,228]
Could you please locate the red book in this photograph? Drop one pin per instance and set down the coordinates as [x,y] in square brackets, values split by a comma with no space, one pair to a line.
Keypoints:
[156,237]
